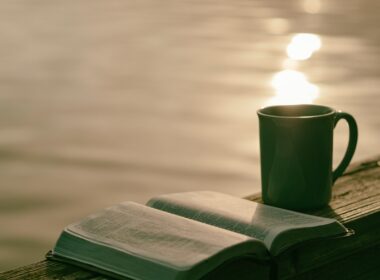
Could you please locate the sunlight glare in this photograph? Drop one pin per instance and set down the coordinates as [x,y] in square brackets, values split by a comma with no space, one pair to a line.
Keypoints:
[292,87]
[303,45]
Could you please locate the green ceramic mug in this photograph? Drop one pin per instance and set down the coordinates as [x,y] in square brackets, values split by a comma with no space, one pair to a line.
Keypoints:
[296,150]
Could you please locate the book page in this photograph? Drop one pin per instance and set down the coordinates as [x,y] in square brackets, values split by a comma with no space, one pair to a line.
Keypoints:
[239,215]
[161,237]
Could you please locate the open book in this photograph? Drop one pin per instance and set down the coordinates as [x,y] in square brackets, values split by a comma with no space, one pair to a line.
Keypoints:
[187,236]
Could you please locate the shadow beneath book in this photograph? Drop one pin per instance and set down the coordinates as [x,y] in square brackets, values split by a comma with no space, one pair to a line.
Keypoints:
[244,268]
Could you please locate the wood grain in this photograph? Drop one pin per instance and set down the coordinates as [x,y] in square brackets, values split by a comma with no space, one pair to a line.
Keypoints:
[355,203]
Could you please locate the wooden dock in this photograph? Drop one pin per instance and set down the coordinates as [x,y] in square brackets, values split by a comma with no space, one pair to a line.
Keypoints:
[356,203]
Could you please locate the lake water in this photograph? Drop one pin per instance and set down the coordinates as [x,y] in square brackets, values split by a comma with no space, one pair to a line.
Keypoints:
[105,101]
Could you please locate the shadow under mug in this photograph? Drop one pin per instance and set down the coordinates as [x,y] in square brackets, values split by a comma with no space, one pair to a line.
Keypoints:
[296,150]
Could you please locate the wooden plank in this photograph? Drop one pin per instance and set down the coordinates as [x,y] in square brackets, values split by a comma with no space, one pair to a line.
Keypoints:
[352,267]
[355,203]
[49,270]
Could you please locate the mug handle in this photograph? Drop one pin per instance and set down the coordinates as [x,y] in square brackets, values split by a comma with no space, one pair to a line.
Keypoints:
[353,139]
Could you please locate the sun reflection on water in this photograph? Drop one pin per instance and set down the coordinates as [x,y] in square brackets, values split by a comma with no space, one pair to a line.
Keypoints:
[303,46]
[312,6]
[292,86]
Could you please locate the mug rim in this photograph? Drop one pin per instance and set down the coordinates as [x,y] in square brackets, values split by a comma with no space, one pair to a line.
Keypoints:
[261,112]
